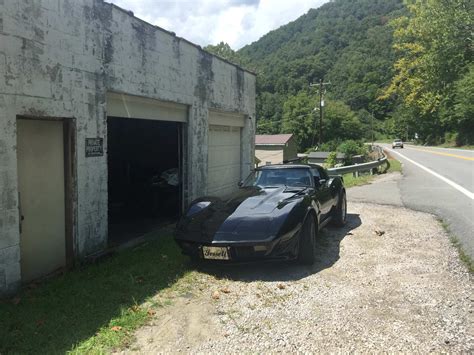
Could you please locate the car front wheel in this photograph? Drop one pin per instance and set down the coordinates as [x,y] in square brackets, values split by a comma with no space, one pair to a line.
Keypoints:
[307,247]
[340,213]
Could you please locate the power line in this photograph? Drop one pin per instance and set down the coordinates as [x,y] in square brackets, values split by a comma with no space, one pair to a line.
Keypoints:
[268,121]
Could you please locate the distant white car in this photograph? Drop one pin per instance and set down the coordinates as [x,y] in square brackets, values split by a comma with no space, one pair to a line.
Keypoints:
[397,143]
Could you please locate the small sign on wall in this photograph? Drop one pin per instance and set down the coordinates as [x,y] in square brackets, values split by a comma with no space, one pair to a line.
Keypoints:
[94,147]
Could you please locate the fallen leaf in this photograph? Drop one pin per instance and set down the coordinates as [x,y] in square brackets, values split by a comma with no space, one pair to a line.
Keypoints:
[151,312]
[135,308]
[116,328]
[379,232]
[16,300]
[40,322]
[216,295]
[225,290]
[281,286]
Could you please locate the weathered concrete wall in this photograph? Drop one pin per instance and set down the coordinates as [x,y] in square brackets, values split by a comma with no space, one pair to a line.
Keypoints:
[59,58]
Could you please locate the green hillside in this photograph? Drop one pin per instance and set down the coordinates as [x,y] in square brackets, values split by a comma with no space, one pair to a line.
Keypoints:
[395,68]
[346,43]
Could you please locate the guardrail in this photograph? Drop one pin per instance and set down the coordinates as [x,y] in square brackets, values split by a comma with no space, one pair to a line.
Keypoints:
[357,168]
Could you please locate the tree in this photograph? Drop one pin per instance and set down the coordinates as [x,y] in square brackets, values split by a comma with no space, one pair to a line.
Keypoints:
[298,119]
[434,45]
[340,122]
[224,51]
[302,119]
[464,107]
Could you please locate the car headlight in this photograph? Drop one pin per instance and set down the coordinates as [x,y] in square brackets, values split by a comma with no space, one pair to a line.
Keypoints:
[197,207]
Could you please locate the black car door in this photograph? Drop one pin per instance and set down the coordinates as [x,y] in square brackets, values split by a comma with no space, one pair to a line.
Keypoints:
[323,193]
[330,192]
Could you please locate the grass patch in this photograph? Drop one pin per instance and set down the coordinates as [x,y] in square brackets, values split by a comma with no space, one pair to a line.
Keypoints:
[93,309]
[395,165]
[351,181]
[465,258]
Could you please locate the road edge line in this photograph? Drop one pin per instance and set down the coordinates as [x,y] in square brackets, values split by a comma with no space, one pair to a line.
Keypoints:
[449,182]
[442,148]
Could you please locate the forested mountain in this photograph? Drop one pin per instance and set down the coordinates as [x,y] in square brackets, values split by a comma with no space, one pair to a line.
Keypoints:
[382,58]
[347,43]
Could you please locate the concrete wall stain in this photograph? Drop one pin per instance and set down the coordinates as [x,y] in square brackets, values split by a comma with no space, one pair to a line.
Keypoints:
[205,77]
[55,73]
[240,85]
[145,36]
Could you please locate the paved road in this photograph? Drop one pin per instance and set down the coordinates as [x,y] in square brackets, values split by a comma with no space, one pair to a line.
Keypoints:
[440,181]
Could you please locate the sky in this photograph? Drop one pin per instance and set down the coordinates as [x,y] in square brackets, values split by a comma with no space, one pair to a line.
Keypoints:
[237,22]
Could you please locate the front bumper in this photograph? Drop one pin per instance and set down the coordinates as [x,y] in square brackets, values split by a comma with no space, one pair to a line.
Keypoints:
[278,249]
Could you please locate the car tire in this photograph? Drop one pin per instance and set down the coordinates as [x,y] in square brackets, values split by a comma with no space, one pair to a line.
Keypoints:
[307,245]
[340,213]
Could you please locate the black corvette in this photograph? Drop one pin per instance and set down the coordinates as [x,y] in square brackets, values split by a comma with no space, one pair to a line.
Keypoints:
[276,214]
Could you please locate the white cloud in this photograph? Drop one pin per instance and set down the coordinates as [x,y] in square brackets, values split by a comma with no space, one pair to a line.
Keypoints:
[237,22]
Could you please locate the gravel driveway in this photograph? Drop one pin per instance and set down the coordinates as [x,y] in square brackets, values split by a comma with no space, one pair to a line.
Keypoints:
[390,280]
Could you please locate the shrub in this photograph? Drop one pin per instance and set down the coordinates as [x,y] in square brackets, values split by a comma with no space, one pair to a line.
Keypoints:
[351,148]
[331,160]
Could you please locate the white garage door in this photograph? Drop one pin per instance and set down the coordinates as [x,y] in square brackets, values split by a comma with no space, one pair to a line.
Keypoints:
[224,154]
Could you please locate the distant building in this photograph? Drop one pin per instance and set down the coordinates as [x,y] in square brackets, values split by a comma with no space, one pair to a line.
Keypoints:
[274,149]
[320,157]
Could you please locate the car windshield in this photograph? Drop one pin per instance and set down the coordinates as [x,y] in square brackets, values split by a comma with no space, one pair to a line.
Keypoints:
[294,177]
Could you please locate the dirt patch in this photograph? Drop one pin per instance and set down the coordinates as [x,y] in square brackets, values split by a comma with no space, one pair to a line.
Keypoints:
[187,323]
[400,290]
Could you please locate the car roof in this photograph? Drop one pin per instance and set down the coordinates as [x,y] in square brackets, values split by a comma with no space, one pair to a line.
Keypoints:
[288,166]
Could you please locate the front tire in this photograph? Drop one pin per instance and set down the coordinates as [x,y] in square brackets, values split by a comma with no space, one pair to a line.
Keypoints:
[340,214]
[307,247]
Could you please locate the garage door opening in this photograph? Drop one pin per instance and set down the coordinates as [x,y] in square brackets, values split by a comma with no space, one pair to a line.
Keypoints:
[144,177]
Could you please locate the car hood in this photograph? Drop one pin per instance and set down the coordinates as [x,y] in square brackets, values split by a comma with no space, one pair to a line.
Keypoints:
[249,214]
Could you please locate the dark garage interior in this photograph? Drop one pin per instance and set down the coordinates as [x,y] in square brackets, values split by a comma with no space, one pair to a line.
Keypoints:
[144,181]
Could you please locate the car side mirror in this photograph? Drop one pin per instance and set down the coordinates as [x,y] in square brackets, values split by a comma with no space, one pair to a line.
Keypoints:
[318,182]
[240,183]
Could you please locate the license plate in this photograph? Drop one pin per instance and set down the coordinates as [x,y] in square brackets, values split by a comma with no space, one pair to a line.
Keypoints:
[215,253]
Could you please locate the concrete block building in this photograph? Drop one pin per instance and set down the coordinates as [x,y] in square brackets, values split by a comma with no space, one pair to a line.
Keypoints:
[107,123]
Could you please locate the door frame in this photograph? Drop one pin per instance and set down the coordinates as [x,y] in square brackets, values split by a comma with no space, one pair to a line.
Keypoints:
[70,181]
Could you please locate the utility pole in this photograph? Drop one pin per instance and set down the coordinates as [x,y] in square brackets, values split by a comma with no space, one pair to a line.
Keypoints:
[322,91]
[372,126]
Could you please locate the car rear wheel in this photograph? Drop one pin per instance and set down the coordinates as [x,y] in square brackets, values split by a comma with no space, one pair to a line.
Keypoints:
[307,248]
[340,213]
